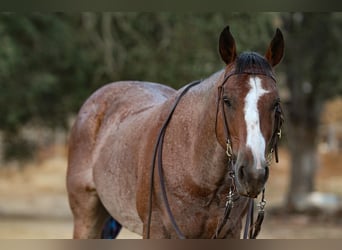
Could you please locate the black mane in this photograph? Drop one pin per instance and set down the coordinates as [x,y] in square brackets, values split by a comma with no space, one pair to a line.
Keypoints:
[252,62]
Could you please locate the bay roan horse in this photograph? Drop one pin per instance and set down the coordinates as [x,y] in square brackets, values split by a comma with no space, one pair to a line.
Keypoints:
[113,141]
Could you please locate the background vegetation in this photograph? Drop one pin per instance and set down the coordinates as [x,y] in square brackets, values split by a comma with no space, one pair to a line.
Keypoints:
[50,64]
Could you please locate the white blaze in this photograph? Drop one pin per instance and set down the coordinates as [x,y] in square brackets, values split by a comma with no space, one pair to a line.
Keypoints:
[255,140]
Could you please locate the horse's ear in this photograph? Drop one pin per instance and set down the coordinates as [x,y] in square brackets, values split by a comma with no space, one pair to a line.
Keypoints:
[227,46]
[275,51]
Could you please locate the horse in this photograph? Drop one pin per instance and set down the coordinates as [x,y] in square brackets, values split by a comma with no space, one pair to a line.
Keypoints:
[216,141]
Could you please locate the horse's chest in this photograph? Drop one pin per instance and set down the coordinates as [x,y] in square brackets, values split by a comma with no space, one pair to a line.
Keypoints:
[199,220]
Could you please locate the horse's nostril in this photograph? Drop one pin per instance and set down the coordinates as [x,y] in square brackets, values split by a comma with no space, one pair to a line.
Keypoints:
[249,174]
[241,174]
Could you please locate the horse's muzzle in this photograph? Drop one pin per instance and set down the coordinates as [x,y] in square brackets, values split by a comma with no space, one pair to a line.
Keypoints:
[250,181]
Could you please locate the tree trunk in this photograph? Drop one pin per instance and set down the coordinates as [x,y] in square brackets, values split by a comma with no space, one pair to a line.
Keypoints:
[302,123]
[310,79]
[304,163]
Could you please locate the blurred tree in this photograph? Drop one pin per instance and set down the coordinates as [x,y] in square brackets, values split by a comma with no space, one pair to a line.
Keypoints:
[312,66]
[169,48]
[50,63]
[43,74]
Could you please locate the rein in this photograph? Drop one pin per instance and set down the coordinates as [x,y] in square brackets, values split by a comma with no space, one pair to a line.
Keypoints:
[251,230]
[158,152]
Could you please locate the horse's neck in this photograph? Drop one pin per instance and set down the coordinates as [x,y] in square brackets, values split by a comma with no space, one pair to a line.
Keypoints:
[207,157]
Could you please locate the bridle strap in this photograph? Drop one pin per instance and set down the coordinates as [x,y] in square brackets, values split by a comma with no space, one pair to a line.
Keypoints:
[278,123]
[220,100]
[249,219]
[252,229]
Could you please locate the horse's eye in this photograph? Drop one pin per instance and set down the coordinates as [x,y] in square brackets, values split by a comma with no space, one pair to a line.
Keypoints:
[227,101]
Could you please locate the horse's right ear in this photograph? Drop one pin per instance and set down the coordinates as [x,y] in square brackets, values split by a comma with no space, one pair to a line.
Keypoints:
[227,46]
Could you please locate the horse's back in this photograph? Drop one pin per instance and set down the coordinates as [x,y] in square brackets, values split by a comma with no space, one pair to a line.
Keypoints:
[104,141]
[109,106]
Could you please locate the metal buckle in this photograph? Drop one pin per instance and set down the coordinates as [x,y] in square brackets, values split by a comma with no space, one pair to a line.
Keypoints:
[229,150]
[262,202]
[279,134]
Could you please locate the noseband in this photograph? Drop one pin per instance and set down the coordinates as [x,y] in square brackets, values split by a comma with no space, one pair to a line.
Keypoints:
[231,197]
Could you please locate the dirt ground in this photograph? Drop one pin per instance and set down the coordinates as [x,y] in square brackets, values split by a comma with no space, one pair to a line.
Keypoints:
[33,201]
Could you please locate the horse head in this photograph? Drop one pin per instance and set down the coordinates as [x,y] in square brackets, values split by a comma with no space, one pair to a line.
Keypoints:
[248,111]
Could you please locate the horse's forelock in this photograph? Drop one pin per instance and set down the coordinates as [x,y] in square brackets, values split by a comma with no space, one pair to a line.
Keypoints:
[252,61]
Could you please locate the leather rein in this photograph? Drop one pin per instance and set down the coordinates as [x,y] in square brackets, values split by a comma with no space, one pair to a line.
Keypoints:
[251,230]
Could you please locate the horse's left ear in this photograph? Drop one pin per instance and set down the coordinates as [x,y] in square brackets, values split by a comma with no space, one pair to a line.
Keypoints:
[275,51]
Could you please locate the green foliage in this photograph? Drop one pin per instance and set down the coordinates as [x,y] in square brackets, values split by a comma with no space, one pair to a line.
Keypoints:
[50,63]
[313,54]
[38,68]
[170,48]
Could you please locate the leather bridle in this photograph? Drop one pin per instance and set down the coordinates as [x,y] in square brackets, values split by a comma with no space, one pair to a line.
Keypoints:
[251,230]
[277,123]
